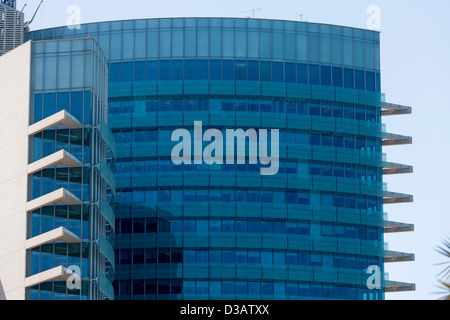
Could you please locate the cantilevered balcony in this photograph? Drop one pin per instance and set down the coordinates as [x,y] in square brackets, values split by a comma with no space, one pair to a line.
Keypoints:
[62,118]
[390,109]
[396,227]
[390,197]
[58,273]
[62,157]
[394,256]
[390,139]
[394,286]
[58,196]
[59,234]
[390,168]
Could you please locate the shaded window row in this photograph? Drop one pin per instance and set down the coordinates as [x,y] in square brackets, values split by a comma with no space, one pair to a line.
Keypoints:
[57,290]
[150,225]
[73,218]
[77,103]
[302,168]
[138,256]
[299,137]
[252,70]
[337,230]
[302,197]
[52,255]
[205,195]
[243,104]
[348,170]
[254,288]
[75,180]
[155,165]
[75,141]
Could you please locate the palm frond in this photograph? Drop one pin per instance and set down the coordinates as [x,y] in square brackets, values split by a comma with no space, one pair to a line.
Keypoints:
[444,250]
[445,287]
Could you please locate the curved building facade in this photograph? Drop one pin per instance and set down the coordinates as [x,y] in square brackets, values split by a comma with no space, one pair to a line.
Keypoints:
[222,229]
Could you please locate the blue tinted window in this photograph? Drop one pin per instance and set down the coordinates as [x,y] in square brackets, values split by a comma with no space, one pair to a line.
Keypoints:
[215,288]
[362,232]
[328,291]
[241,70]
[254,288]
[278,72]
[38,107]
[177,70]
[279,258]
[313,46]
[314,74]
[378,82]
[165,70]
[292,289]
[139,71]
[316,260]
[241,287]
[152,70]
[228,256]
[190,70]
[303,290]
[115,72]
[76,105]
[216,70]
[314,108]
[228,70]
[266,70]
[215,256]
[267,288]
[337,77]
[87,107]
[63,101]
[266,257]
[325,75]
[189,256]
[359,79]
[202,256]
[302,73]
[202,70]
[50,105]
[127,71]
[290,72]
[278,106]
[370,81]
[348,78]
[253,70]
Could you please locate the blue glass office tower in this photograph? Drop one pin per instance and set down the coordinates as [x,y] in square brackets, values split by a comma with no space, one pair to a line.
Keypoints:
[225,231]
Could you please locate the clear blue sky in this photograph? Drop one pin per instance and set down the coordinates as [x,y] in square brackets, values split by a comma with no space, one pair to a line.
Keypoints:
[415,72]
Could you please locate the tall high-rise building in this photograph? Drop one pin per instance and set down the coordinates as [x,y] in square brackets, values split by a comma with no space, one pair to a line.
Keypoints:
[9,3]
[311,228]
[11,26]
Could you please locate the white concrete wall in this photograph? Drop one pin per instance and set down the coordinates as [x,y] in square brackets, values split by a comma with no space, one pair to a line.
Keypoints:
[14,120]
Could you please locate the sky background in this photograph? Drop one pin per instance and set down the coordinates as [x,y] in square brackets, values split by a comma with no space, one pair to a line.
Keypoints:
[415,67]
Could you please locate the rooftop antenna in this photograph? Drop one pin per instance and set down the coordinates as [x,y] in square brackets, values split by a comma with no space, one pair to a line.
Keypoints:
[27,23]
[253,11]
[301,17]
